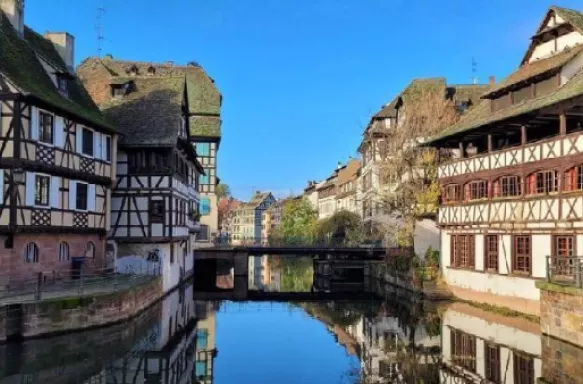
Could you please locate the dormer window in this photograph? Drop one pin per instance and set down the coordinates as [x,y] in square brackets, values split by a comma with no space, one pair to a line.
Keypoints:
[63,84]
[119,90]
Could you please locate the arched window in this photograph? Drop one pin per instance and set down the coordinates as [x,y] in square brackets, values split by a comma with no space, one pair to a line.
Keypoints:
[63,251]
[31,253]
[542,182]
[476,190]
[90,250]
[452,193]
[574,179]
[507,186]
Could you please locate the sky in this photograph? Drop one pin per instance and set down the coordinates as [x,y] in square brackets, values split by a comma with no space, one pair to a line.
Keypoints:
[300,79]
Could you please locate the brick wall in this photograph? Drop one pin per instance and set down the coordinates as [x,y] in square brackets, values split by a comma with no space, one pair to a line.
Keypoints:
[561,362]
[54,316]
[561,312]
[12,260]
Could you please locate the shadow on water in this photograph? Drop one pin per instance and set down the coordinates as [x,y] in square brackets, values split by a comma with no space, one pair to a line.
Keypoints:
[396,337]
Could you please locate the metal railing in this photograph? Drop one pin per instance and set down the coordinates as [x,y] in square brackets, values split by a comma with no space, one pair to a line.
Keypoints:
[25,287]
[291,243]
[565,270]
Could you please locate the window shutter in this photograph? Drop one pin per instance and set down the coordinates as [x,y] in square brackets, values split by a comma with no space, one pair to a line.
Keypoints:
[79,139]
[467,195]
[59,131]
[72,194]
[54,194]
[30,188]
[34,122]
[91,197]
[1,185]
[97,145]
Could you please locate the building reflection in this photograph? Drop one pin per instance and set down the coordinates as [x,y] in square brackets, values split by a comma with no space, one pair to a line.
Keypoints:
[206,350]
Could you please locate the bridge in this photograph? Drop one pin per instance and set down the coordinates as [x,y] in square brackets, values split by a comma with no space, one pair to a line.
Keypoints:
[249,295]
[362,253]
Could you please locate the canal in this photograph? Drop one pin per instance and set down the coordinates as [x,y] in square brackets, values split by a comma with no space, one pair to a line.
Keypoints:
[389,337]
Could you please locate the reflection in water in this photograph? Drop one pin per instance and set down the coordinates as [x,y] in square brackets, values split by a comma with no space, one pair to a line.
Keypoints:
[399,339]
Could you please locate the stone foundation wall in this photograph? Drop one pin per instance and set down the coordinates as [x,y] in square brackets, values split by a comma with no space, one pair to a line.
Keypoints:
[561,312]
[562,362]
[56,316]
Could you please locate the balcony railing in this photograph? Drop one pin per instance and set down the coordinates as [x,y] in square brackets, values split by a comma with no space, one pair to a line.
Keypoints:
[565,270]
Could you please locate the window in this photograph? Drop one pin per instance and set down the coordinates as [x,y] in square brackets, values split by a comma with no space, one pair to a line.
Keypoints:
[41,190]
[543,182]
[118,90]
[462,251]
[108,148]
[476,190]
[452,193]
[507,186]
[90,250]
[205,206]
[523,369]
[492,355]
[491,256]
[45,133]
[202,339]
[81,197]
[31,253]
[157,209]
[62,84]
[203,149]
[63,251]
[204,179]
[87,142]
[521,260]
[562,253]
[463,350]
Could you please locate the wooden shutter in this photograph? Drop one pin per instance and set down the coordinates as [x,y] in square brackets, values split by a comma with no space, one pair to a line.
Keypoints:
[467,192]
[91,197]
[30,188]
[59,132]
[72,194]
[34,122]
[54,191]
[531,184]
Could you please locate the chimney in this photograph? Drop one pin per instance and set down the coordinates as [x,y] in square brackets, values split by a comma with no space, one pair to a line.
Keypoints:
[65,45]
[14,10]
[492,80]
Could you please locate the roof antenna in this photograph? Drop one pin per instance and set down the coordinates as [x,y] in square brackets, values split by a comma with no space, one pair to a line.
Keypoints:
[474,70]
[99,29]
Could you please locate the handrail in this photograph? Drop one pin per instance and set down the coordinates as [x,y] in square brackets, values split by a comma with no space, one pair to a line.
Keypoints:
[565,270]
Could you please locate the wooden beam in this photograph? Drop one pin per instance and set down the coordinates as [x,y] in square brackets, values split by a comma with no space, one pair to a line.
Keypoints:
[562,124]
[490,143]
[461,148]
[523,135]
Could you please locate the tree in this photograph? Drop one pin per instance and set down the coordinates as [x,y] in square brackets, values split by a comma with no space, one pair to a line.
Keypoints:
[343,227]
[408,170]
[298,221]
[223,191]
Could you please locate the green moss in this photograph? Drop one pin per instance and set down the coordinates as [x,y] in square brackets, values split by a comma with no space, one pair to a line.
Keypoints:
[501,310]
[569,290]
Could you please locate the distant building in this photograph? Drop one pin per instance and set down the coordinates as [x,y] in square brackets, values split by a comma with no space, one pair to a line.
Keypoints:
[327,195]
[272,219]
[247,217]
[347,182]
[311,192]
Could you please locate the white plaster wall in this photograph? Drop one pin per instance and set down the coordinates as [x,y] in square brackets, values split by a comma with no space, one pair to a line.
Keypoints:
[505,254]
[571,68]
[445,247]
[491,283]
[547,49]
[479,252]
[541,248]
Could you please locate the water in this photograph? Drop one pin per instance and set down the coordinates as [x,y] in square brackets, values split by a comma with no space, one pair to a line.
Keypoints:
[395,338]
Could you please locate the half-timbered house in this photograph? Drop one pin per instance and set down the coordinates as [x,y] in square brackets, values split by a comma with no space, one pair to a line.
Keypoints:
[155,202]
[512,189]
[56,154]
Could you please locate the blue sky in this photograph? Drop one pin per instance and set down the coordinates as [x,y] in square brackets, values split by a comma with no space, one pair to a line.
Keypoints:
[301,78]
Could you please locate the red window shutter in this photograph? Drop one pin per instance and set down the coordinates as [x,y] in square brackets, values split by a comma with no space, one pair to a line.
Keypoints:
[496,188]
[467,194]
[531,184]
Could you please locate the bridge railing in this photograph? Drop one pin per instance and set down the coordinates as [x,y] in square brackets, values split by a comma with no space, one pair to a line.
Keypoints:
[225,242]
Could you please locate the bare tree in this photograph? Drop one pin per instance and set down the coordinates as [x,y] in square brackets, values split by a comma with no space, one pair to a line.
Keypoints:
[407,171]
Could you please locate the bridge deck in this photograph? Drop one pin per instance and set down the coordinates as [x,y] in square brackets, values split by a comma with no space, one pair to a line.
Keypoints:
[284,296]
[375,253]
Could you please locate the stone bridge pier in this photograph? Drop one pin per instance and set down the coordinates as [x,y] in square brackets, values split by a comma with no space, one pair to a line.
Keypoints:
[206,270]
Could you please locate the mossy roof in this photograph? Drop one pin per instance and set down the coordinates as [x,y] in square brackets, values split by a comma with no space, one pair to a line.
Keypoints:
[150,114]
[21,66]
[204,99]
[481,115]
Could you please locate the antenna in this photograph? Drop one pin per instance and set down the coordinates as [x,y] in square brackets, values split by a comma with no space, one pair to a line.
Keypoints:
[474,70]
[99,29]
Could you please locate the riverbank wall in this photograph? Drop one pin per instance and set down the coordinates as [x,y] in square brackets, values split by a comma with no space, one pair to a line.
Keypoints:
[61,315]
[411,280]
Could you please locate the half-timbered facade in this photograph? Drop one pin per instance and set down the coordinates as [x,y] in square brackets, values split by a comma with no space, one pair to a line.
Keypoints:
[247,218]
[513,179]
[155,205]
[56,155]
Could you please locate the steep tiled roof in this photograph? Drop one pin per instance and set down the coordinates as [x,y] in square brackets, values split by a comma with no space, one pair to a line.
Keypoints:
[349,172]
[204,99]
[151,113]
[535,68]
[481,115]
[571,16]
[21,66]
